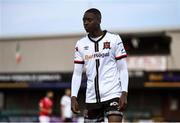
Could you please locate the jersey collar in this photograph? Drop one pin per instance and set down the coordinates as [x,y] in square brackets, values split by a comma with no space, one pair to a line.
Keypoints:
[98,39]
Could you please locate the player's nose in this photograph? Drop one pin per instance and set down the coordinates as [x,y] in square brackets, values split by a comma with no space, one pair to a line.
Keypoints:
[86,22]
[85,25]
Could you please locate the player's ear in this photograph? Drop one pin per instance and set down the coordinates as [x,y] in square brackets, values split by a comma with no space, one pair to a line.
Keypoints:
[99,19]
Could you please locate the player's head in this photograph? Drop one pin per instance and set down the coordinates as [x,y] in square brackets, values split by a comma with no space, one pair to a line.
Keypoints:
[68,92]
[49,94]
[92,20]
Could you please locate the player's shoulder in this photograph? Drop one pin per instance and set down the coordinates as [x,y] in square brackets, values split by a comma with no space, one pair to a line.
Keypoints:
[113,34]
[42,100]
[64,98]
[113,37]
[46,99]
[83,40]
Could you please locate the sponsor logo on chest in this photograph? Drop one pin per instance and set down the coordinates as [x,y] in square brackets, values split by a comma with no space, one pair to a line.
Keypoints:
[96,55]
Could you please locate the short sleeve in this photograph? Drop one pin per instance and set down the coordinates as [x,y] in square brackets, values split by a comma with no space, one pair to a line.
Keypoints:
[120,51]
[78,58]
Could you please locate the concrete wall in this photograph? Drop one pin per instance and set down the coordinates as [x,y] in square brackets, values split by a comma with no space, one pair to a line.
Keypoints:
[54,54]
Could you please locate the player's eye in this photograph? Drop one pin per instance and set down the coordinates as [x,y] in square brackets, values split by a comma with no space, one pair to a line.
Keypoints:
[87,20]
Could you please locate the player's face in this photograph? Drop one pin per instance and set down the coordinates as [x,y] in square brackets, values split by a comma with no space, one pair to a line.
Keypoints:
[68,92]
[91,22]
[50,94]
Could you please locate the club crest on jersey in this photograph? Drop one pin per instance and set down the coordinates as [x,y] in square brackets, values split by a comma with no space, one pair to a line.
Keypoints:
[106,45]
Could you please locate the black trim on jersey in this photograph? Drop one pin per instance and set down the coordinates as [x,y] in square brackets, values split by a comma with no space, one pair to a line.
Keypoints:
[98,39]
[120,57]
[98,99]
[79,62]
[96,47]
[96,79]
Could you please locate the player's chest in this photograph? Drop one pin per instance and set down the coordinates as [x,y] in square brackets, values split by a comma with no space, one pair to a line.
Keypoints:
[97,50]
[48,103]
[103,46]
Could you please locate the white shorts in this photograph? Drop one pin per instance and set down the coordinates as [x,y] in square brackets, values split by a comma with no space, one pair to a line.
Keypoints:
[44,119]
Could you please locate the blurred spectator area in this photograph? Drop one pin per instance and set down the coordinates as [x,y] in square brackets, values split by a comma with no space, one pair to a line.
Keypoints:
[147,44]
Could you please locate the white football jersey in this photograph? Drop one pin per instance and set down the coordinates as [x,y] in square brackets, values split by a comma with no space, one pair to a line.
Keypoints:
[99,59]
[66,103]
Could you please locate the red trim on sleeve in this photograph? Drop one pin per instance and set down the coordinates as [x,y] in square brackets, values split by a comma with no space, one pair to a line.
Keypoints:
[120,57]
[79,62]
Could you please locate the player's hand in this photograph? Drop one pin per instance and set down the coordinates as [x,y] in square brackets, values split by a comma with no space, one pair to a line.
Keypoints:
[123,101]
[74,105]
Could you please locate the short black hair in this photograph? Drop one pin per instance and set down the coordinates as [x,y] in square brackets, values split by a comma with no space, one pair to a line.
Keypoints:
[94,11]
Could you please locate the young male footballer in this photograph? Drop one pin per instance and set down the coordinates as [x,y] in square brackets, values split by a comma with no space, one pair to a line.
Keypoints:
[102,54]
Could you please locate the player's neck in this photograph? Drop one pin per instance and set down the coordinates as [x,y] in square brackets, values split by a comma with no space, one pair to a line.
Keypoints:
[96,33]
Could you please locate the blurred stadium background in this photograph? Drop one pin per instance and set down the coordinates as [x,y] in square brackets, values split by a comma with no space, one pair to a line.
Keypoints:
[37,39]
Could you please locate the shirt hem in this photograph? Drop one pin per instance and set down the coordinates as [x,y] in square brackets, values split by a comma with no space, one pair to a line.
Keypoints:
[104,99]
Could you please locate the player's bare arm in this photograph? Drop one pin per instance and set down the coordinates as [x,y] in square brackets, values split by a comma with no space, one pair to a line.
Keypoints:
[123,101]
